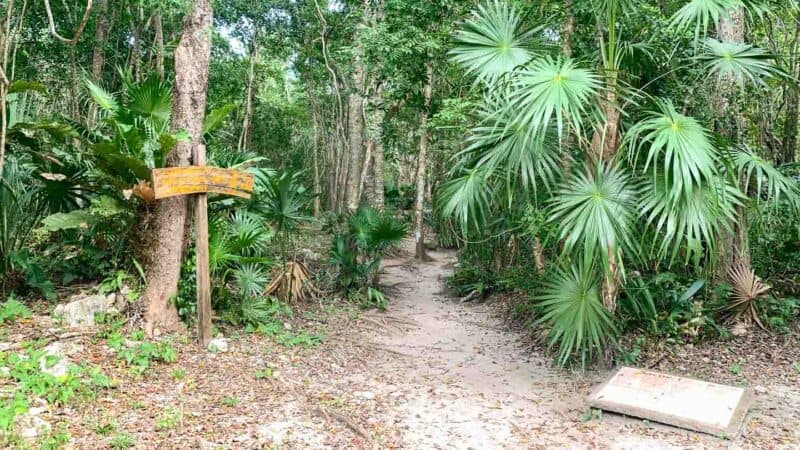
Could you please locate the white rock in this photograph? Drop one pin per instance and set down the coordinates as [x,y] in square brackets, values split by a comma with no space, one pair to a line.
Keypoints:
[61,350]
[30,426]
[218,345]
[365,395]
[80,313]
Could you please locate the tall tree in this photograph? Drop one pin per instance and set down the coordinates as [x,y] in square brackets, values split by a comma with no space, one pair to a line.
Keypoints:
[169,221]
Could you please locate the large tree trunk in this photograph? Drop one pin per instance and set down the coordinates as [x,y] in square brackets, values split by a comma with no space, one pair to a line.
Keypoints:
[569,29]
[377,158]
[169,221]
[419,204]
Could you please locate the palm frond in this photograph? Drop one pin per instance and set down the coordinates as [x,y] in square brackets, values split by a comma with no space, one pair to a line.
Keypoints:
[550,89]
[739,63]
[104,99]
[688,223]
[491,43]
[677,147]
[747,289]
[767,182]
[596,214]
[573,309]
[467,198]
[502,143]
[251,279]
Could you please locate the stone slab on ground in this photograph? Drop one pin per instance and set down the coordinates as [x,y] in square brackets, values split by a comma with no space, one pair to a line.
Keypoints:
[683,402]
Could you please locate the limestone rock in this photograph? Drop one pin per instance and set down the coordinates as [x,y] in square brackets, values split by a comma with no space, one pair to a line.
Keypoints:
[80,313]
[218,345]
[30,425]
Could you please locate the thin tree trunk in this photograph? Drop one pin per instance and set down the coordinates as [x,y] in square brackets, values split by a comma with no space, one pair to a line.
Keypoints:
[731,246]
[355,124]
[569,29]
[158,28]
[378,200]
[170,216]
[5,45]
[100,32]
[419,205]
[315,147]
[244,137]
[791,98]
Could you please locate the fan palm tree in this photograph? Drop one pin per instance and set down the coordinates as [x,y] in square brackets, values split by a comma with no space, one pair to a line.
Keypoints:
[667,193]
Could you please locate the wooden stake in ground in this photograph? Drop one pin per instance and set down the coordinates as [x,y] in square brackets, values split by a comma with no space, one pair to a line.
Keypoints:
[199,180]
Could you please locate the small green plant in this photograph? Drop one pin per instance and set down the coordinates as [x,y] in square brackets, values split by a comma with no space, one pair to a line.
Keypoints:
[230,401]
[105,428]
[177,374]
[261,374]
[55,440]
[736,368]
[122,441]
[12,309]
[796,367]
[141,356]
[168,420]
[591,414]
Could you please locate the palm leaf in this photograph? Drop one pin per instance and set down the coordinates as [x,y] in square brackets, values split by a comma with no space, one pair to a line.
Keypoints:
[596,213]
[550,89]
[739,63]
[677,147]
[491,43]
[573,309]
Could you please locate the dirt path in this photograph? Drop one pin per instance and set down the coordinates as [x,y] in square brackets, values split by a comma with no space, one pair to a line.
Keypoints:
[465,383]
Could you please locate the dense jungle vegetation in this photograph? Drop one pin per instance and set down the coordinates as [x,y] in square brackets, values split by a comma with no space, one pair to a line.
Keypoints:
[625,171]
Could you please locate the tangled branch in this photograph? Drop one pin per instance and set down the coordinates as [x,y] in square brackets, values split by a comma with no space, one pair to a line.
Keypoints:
[78,31]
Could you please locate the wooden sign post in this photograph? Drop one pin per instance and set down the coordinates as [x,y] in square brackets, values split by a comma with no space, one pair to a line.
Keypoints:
[200,180]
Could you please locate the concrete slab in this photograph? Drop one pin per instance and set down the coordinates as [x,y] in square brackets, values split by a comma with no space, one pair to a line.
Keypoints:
[683,402]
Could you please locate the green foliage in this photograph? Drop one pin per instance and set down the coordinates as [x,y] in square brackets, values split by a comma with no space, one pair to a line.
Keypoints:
[580,327]
[142,355]
[169,419]
[358,248]
[11,310]
[122,441]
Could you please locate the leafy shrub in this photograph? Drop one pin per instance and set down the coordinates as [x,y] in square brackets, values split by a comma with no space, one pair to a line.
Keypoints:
[359,247]
[141,356]
[12,309]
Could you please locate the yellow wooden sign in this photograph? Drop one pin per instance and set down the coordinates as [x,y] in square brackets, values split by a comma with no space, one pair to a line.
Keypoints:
[172,181]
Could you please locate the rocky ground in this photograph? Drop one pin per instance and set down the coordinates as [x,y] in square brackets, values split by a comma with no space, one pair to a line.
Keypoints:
[429,373]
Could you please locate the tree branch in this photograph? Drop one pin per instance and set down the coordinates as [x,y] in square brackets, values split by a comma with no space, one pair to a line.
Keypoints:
[78,31]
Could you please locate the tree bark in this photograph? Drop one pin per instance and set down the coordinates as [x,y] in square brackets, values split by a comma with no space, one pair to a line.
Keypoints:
[315,125]
[5,45]
[419,204]
[244,137]
[170,216]
[732,246]
[158,28]
[100,32]
[791,98]
[355,123]
[569,29]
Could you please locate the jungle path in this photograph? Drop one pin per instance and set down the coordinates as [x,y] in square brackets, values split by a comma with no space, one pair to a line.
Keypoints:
[459,379]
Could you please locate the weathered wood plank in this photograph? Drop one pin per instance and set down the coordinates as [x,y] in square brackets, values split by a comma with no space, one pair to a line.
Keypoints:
[684,402]
[172,181]
[203,271]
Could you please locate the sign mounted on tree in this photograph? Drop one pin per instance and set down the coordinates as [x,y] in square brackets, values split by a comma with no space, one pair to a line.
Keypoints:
[173,181]
[198,180]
